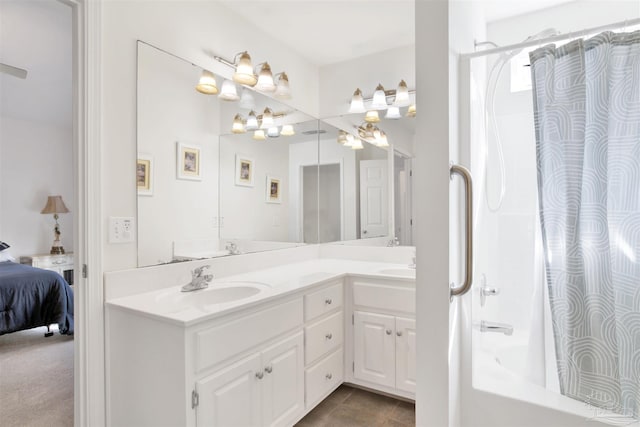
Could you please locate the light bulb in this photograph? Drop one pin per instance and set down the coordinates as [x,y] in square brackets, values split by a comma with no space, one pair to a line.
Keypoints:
[273,132]
[372,117]
[207,83]
[238,125]
[267,119]
[228,91]
[252,121]
[357,102]
[265,79]
[258,134]
[283,91]
[411,112]
[244,71]
[247,101]
[393,113]
[379,99]
[287,130]
[402,95]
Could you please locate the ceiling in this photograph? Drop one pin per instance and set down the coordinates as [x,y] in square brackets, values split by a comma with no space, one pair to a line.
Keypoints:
[36,36]
[500,9]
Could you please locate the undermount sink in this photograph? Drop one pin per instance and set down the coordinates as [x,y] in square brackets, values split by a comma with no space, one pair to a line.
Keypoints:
[216,293]
[402,272]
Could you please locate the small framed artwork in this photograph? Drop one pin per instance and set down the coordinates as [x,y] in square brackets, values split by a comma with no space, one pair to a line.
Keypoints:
[144,175]
[244,171]
[274,189]
[188,162]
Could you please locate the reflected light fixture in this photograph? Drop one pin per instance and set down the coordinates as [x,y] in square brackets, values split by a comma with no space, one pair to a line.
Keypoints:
[357,102]
[228,91]
[207,83]
[356,144]
[265,79]
[379,99]
[342,137]
[252,121]
[247,100]
[393,113]
[283,91]
[287,130]
[273,132]
[402,95]
[258,134]
[372,117]
[411,112]
[267,119]
[244,70]
[238,125]
[382,139]
[55,206]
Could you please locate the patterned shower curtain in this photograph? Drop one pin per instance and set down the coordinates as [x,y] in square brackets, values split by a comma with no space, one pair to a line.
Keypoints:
[586,97]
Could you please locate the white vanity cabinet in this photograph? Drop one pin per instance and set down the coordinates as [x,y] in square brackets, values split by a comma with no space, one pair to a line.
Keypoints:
[384,338]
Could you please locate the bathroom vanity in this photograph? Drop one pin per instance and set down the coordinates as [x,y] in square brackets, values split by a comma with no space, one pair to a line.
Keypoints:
[261,348]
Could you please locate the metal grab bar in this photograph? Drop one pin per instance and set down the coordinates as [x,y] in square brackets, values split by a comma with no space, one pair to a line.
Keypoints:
[468,276]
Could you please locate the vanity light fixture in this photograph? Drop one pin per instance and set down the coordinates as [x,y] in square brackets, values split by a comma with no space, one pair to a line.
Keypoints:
[265,79]
[238,124]
[287,130]
[357,102]
[373,135]
[252,121]
[247,101]
[379,99]
[411,112]
[283,91]
[402,95]
[259,135]
[273,132]
[267,119]
[228,91]
[372,116]
[207,83]
[393,113]
[244,70]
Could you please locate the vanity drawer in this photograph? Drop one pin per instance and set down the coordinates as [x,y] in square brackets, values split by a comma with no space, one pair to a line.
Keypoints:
[323,301]
[216,344]
[323,377]
[323,336]
[384,297]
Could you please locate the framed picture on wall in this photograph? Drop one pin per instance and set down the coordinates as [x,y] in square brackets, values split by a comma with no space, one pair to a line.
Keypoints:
[144,174]
[188,162]
[244,171]
[274,189]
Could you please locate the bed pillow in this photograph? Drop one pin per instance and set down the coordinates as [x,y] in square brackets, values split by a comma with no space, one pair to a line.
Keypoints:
[4,246]
[6,256]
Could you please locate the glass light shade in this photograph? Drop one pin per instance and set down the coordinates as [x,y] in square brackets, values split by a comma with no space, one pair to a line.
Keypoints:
[247,101]
[372,117]
[267,119]
[228,91]
[283,91]
[357,102]
[207,83]
[273,132]
[252,121]
[287,130]
[376,135]
[259,135]
[350,140]
[265,79]
[402,95]
[379,99]
[382,139]
[411,112]
[238,125]
[342,137]
[357,144]
[244,71]
[393,113]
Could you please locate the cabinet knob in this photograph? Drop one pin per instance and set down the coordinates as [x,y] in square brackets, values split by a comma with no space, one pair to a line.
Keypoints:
[329,336]
[399,333]
[388,331]
[268,369]
[329,376]
[328,301]
[259,375]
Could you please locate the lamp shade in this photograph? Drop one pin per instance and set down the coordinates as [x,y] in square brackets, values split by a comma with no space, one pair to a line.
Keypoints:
[273,132]
[267,119]
[283,91]
[244,71]
[228,91]
[54,205]
[402,95]
[372,117]
[259,135]
[287,130]
[357,102]
[238,125]
[379,99]
[252,121]
[207,83]
[357,144]
[411,112]
[247,100]
[393,113]
[265,79]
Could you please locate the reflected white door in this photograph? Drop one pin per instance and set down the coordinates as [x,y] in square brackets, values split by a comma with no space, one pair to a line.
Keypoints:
[374,194]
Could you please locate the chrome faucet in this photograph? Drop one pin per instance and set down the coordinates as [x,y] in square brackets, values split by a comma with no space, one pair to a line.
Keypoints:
[393,242]
[232,248]
[198,281]
[502,328]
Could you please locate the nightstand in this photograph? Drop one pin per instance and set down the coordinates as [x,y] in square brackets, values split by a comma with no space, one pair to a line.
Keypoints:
[61,264]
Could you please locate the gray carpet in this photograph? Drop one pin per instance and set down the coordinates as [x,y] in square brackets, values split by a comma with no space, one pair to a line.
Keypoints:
[36,379]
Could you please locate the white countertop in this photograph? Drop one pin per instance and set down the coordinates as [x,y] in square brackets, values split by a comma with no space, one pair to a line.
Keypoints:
[173,306]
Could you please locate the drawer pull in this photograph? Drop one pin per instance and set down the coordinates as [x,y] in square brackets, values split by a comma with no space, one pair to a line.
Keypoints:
[259,375]
[329,376]
[388,331]
[399,333]
[328,301]
[329,336]
[268,369]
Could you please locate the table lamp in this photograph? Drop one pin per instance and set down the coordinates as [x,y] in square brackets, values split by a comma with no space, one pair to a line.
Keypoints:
[55,206]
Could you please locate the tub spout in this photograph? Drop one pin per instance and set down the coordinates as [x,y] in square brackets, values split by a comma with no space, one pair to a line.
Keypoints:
[502,328]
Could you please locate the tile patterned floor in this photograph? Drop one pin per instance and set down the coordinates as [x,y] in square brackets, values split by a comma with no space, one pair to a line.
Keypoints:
[352,407]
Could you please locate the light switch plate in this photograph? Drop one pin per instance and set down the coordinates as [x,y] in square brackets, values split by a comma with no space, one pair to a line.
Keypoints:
[121,229]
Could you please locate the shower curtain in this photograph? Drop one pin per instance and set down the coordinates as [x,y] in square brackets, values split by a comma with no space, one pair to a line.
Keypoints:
[586,97]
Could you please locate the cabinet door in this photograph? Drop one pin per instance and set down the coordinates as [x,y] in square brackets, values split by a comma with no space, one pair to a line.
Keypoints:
[406,354]
[374,348]
[231,396]
[283,383]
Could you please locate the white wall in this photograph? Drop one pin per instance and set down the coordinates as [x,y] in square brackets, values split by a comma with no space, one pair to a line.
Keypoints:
[171,111]
[35,162]
[194,31]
